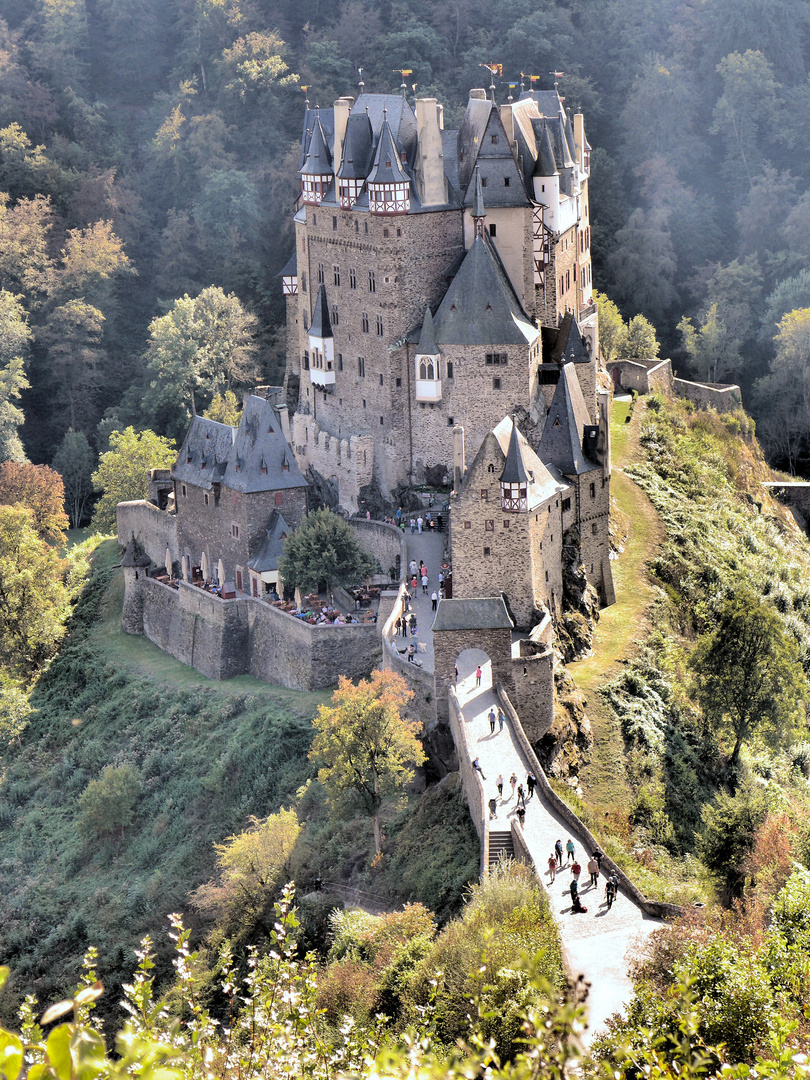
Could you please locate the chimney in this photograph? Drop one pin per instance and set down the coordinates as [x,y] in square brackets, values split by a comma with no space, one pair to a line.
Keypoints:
[478,95]
[458,457]
[284,421]
[508,121]
[430,155]
[343,106]
[579,139]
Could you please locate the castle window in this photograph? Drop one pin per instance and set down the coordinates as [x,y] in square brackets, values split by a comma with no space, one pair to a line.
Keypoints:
[379,326]
[399,382]
[593,491]
[450,421]
[372,281]
[568,279]
[426,369]
[513,497]
[279,498]
[490,467]
[487,552]
[498,359]
[483,181]
[546,575]
[575,271]
[506,181]
[594,529]
[305,361]
[382,380]
[489,525]
[496,384]
[314,219]
[334,316]
[493,139]
[386,232]
[264,468]
[365,227]
[352,279]
[336,273]
[185,493]
[364,322]
[235,531]
[361,367]
[364,405]
[334,223]
[321,274]
[340,361]
[484,494]
[382,421]
[449,369]
[303,283]
[356,225]
[399,232]
[205,497]
[506,523]
[493,231]
[467,524]
[566,505]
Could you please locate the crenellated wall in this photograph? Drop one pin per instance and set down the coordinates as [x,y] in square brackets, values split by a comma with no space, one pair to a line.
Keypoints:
[347,462]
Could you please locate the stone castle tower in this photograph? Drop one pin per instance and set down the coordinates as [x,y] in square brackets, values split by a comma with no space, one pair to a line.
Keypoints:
[440,279]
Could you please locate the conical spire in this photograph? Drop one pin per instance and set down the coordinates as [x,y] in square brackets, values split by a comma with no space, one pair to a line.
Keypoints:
[514,471]
[319,159]
[387,168]
[321,325]
[427,339]
[561,442]
[546,166]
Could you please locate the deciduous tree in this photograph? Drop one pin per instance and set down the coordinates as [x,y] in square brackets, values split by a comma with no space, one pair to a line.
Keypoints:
[324,548]
[123,471]
[74,463]
[748,675]
[107,805]
[40,488]
[364,744]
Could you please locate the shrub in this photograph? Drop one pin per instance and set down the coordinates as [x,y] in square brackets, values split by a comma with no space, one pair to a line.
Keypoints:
[107,805]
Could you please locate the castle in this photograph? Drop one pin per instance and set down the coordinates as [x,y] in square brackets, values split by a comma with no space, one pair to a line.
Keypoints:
[441,330]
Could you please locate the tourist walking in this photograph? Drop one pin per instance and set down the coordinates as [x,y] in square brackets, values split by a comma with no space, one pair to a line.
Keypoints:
[411,652]
[530,782]
[569,848]
[513,782]
[501,718]
[492,718]
[576,903]
[413,526]
[419,524]
[598,855]
[552,867]
[593,870]
[610,890]
[499,783]
[576,870]
[521,799]
[521,813]
[424,581]
[478,674]
[559,849]
[413,586]
[434,599]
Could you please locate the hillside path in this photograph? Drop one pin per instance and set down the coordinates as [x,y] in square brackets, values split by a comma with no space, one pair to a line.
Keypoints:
[598,944]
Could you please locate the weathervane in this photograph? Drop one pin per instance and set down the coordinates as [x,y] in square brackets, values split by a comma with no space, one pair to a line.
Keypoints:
[557,75]
[306,99]
[403,85]
[361,84]
[493,69]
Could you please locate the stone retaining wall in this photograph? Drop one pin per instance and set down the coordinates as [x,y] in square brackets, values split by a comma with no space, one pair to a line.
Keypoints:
[385,543]
[223,638]
[154,529]
[649,907]
[643,376]
[470,779]
[720,396]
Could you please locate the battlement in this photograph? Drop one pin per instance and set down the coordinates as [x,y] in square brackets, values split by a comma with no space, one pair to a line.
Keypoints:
[348,463]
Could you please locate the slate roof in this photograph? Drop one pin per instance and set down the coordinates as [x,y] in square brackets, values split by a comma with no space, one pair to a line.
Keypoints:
[543,482]
[272,546]
[321,325]
[318,157]
[326,117]
[478,208]
[480,306]
[427,339]
[569,346]
[486,613]
[358,144]
[290,267]
[470,136]
[250,458]
[561,442]
[387,168]
[514,471]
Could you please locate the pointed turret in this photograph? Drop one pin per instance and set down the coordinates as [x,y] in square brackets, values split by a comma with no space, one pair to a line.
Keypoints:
[546,166]
[354,167]
[321,343]
[428,379]
[514,478]
[316,172]
[388,183]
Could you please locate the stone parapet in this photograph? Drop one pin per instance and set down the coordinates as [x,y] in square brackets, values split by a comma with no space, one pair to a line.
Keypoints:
[471,782]
[725,397]
[154,529]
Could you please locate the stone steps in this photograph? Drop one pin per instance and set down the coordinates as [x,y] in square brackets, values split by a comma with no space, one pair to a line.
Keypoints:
[500,847]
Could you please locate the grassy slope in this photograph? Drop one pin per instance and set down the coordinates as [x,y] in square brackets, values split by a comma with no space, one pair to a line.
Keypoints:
[209,755]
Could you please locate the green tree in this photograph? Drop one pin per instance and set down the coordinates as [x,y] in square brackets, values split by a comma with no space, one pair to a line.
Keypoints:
[107,805]
[748,675]
[728,835]
[711,348]
[15,709]
[746,113]
[784,393]
[324,548]
[612,330]
[225,409]
[33,596]
[640,342]
[72,339]
[123,471]
[14,338]
[643,264]
[74,463]
[203,346]
[365,745]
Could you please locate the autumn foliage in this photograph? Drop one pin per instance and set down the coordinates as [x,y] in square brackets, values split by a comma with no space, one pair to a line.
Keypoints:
[40,489]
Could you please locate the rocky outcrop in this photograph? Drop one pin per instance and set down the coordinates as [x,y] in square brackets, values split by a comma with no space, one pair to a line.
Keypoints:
[580,604]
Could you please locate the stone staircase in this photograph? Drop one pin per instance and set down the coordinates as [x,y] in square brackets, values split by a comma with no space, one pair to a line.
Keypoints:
[500,847]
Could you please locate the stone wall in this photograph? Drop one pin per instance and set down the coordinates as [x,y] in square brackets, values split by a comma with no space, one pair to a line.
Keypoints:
[533,681]
[448,646]
[154,529]
[720,396]
[643,376]
[385,543]
[347,462]
[471,782]
[223,638]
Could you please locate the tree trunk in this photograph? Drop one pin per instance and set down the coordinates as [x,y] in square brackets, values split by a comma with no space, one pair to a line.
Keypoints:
[377,833]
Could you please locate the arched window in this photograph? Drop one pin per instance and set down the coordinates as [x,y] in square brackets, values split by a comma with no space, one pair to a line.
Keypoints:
[426,370]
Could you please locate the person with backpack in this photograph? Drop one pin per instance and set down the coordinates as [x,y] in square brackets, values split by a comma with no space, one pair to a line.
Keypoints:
[611,888]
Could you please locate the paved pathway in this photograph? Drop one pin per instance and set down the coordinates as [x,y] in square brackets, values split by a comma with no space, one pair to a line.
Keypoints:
[429,547]
[598,943]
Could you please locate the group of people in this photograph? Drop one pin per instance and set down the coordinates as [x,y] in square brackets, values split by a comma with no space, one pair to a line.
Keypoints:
[555,863]
[419,524]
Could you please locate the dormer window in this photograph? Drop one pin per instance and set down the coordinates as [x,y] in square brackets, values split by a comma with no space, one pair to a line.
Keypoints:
[264,467]
[514,497]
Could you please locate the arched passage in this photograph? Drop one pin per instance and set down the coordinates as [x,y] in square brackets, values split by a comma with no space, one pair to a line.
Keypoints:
[468,662]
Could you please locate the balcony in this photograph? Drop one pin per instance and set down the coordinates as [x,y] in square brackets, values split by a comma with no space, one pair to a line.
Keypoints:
[429,390]
[321,377]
